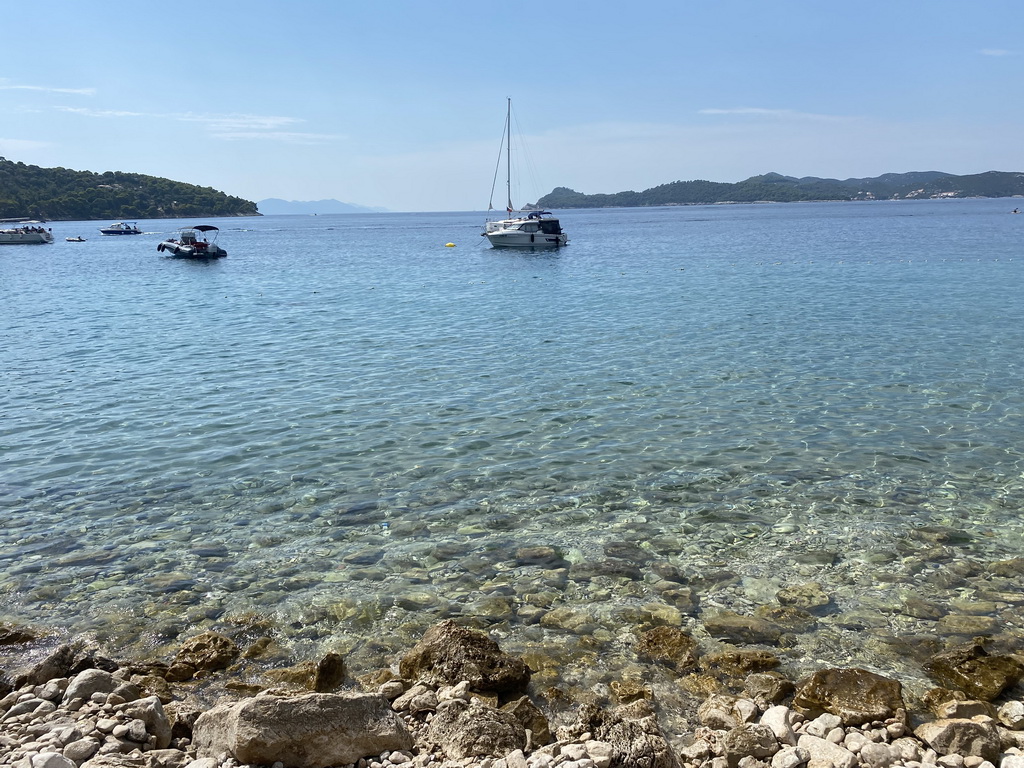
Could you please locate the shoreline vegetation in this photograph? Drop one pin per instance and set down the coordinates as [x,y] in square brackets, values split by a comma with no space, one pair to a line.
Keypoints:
[60,194]
[776,188]
[457,700]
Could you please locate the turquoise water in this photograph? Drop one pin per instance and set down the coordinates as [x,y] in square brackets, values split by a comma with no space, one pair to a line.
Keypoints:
[351,431]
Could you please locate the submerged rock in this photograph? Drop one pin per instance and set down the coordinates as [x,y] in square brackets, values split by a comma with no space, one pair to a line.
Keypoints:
[447,654]
[855,695]
[971,669]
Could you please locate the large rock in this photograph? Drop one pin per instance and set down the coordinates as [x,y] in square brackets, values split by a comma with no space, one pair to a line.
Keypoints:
[969,668]
[311,731]
[977,737]
[632,731]
[825,754]
[151,712]
[447,654]
[464,729]
[205,652]
[749,740]
[855,695]
[91,681]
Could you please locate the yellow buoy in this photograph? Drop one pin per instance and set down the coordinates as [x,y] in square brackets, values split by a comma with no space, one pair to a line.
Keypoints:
[449,245]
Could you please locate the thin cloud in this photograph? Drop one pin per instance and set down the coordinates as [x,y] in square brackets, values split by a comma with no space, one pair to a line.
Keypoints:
[4,86]
[241,122]
[782,114]
[286,137]
[232,127]
[996,52]
[102,112]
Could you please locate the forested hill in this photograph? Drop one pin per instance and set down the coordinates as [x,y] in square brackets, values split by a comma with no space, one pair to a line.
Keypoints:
[775,188]
[59,193]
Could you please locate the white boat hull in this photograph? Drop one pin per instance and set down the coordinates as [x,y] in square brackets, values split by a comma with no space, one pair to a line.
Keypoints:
[514,239]
[25,237]
[526,232]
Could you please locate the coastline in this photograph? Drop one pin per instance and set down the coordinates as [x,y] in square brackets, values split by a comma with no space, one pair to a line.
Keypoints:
[457,699]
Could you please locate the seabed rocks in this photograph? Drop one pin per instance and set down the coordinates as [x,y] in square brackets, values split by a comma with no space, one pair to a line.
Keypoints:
[456,700]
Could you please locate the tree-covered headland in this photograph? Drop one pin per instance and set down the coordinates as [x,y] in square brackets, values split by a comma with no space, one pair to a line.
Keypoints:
[59,193]
[775,188]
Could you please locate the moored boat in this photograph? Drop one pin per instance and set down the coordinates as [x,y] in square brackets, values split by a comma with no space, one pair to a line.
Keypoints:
[25,235]
[193,243]
[122,228]
[528,229]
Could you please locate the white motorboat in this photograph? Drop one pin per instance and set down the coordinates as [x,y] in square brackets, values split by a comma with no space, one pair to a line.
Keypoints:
[122,228]
[527,229]
[25,235]
[193,243]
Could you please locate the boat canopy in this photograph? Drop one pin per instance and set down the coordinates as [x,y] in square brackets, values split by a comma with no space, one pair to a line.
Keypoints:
[205,228]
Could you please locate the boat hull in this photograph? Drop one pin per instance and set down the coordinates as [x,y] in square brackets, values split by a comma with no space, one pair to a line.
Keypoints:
[513,239]
[121,228]
[175,250]
[17,237]
[532,231]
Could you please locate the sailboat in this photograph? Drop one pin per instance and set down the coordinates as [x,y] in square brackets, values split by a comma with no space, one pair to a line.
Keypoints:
[533,229]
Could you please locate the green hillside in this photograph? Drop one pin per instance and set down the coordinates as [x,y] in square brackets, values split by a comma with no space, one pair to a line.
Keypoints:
[775,188]
[59,193]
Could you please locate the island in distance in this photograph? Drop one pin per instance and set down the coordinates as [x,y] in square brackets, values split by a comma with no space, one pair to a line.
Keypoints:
[776,188]
[273,206]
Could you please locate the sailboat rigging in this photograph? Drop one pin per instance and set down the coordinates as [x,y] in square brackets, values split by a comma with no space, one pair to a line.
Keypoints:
[530,231]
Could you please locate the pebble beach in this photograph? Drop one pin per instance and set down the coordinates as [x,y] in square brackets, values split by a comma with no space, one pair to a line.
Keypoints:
[457,700]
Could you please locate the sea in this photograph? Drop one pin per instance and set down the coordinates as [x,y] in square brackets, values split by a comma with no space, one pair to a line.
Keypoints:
[805,416]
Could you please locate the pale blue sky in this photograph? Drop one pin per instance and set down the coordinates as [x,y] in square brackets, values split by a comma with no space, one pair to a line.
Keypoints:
[401,104]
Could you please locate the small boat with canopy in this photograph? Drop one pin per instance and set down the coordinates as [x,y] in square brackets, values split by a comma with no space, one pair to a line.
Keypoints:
[198,242]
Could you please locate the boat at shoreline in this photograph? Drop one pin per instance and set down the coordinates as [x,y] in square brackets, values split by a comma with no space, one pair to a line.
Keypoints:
[529,229]
[193,243]
[25,235]
[122,228]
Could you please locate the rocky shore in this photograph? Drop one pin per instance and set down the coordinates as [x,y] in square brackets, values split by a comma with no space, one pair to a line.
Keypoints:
[456,700]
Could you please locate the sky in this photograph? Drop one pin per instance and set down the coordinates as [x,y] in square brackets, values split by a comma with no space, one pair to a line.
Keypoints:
[400,104]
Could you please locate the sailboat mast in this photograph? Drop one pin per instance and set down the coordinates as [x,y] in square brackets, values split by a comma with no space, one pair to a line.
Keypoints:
[508,154]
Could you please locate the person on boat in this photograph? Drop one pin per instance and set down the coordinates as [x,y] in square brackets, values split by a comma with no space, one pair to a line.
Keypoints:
[1016,210]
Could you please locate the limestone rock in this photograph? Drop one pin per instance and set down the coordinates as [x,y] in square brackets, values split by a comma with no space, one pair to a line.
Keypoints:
[978,737]
[151,712]
[91,681]
[670,646]
[472,729]
[781,720]
[825,754]
[531,718]
[1011,714]
[207,652]
[632,731]
[767,687]
[971,669]
[750,739]
[330,673]
[447,654]
[855,695]
[317,729]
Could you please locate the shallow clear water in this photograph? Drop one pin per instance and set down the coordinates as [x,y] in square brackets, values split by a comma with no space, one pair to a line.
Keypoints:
[354,431]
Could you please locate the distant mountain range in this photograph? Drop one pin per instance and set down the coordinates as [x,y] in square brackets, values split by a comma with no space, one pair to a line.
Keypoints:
[273,206]
[775,188]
